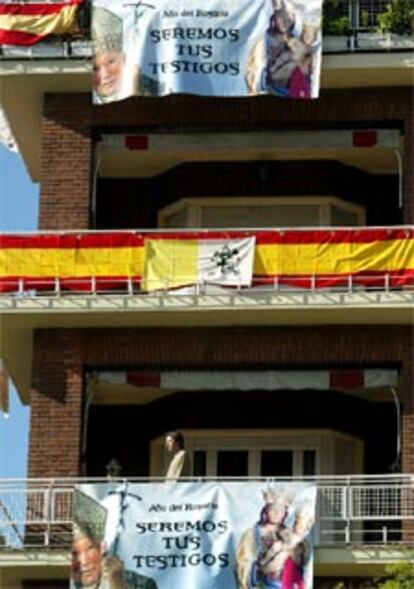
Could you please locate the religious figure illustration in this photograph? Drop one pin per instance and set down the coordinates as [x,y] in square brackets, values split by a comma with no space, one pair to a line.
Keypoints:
[284,62]
[92,565]
[273,554]
[113,77]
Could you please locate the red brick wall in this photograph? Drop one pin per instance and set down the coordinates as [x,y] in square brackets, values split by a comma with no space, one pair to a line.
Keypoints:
[56,403]
[408,166]
[407,396]
[66,166]
[61,354]
[70,120]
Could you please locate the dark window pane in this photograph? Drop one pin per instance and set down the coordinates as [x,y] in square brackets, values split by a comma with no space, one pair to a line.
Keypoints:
[232,463]
[277,463]
[309,462]
[200,462]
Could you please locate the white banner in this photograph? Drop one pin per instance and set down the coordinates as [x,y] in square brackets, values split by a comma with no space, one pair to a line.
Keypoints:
[228,262]
[219,48]
[208,535]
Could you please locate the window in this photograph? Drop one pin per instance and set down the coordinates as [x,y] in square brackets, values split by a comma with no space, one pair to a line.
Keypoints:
[276,463]
[368,11]
[267,212]
[266,453]
[200,463]
[232,463]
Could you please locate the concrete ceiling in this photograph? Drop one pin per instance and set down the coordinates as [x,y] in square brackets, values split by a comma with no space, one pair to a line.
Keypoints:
[17,326]
[139,164]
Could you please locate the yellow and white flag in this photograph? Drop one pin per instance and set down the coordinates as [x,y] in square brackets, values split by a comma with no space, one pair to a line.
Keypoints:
[171,263]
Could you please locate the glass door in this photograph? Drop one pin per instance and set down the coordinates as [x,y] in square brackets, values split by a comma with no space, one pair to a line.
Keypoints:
[265,453]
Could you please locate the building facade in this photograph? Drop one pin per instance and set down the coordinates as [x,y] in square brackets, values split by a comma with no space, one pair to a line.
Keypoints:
[278,380]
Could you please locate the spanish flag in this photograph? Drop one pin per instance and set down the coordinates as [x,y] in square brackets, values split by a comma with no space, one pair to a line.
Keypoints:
[322,258]
[172,263]
[27,24]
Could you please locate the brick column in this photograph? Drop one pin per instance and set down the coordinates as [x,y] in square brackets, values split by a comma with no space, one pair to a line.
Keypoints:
[408,166]
[56,405]
[66,173]
[406,394]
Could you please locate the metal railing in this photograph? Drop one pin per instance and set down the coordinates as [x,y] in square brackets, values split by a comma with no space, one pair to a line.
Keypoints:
[351,510]
[356,21]
[64,287]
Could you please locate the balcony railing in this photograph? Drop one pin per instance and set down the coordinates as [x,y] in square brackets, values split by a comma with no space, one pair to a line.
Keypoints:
[320,260]
[349,25]
[57,288]
[351,510]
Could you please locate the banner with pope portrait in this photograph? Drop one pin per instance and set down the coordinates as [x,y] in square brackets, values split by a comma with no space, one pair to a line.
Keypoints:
[204,535]
[214,48]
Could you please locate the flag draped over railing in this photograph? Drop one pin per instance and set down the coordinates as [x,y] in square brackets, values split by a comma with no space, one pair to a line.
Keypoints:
[226,261]
[29,23]
[105,261]
[220,48]
[196,534]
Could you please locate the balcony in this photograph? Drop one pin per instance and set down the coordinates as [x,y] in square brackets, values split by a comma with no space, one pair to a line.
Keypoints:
[63,64]
[352,511]
[366,25]
[45,270]
[300,277]
[349,26]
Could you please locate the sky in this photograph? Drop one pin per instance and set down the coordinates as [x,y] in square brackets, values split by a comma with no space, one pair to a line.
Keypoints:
[19,198]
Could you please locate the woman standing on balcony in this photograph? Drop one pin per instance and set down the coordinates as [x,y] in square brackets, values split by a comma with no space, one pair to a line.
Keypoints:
[179,465]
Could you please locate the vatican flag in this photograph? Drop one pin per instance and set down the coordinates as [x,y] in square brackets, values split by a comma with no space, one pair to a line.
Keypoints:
[172,263]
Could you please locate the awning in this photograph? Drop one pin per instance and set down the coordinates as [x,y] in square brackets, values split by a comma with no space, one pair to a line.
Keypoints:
[244,380]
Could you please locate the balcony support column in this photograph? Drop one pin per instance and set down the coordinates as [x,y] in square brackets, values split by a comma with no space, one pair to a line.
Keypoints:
[66,165]
[407,401]
[408,167]
[56,404]
[407,417]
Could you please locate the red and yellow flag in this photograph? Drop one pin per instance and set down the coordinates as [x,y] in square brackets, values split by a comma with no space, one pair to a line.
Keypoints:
[302,258]
[27,24]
